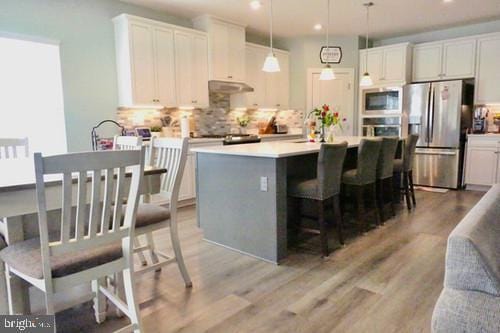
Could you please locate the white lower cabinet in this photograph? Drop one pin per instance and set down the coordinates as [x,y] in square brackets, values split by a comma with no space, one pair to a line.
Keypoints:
[483,160]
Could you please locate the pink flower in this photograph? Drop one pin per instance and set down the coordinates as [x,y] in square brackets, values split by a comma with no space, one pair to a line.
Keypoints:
[336,114]
[323,114]
[326,108]
[344,119]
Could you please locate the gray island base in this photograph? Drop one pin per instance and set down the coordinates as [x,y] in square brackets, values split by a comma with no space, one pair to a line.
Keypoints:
[242,193]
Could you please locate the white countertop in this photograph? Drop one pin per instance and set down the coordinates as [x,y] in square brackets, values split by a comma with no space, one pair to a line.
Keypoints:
[493,135]
[275,149]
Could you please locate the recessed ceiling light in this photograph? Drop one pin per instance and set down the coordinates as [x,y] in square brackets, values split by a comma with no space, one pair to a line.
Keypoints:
[255,4]
[448,1]
[318,26]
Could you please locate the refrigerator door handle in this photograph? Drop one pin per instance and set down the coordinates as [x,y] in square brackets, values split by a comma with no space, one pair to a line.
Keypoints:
[426,152]
[430,135]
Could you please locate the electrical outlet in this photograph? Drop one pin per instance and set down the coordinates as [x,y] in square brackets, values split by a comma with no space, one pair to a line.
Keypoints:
[263,184]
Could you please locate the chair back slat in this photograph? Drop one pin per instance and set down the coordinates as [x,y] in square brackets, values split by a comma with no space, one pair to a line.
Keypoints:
[81,207]
[10,146]
[121,142]
[107,200]
[67,198]
[171,154]
[95,203]
[118,199]
[80,232]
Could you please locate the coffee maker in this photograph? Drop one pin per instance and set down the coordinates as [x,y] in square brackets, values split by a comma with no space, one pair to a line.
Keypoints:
[480,120]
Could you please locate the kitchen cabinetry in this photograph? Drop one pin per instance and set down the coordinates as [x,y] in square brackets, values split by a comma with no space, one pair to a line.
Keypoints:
[226,43]
[191,69]
[488,69]
[271,90]
[158,68]
[388,64]
[444,60]
[483,160]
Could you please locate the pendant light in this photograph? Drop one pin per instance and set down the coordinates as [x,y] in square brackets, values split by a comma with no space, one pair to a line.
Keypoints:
[366,80]
[327,72]
[271,65]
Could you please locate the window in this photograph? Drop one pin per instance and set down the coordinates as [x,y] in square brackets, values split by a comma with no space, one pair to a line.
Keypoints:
[31,97]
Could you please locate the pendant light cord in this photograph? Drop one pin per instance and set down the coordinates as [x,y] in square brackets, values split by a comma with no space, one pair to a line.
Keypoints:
[368,5]
[328,30]
[271,30]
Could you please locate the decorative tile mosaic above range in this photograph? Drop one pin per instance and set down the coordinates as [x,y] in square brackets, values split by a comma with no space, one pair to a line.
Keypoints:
[216,119]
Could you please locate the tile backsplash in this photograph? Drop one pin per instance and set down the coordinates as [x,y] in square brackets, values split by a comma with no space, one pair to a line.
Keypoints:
[218,118]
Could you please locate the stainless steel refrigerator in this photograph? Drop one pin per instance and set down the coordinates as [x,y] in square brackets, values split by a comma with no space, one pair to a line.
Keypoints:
[440,113]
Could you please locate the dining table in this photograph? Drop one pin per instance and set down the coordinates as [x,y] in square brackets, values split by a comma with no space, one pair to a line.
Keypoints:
[18,215]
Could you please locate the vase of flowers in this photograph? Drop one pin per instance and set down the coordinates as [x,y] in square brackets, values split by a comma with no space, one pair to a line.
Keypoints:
[328,119]
[243,121]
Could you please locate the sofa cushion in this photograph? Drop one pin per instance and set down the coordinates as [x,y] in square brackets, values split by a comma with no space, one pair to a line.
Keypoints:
[472,256]
[26,257]
[466,311]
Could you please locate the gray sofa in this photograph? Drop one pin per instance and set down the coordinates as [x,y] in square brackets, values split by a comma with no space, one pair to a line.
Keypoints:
[470,300]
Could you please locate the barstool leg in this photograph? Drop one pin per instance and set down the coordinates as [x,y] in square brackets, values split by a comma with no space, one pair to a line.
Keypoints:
[406,189]
[360,201]
[391,192]
[338,217]
[412,189]
[380,199]
[322,228]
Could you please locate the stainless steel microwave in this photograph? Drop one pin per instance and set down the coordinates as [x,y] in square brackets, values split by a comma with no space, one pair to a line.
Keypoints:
[382,101]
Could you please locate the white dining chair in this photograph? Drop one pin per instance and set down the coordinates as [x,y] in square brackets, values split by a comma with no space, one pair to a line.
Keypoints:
[9,147]
[170,154]
[94,243]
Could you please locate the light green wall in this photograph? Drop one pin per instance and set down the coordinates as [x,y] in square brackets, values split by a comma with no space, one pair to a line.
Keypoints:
[455,32]
[85,32]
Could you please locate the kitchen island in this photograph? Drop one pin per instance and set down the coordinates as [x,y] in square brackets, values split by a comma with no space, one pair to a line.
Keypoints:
[242,193]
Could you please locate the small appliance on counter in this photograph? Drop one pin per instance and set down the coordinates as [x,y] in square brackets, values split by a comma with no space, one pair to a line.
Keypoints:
[145,132]
[231,139]
[99,143]
[480,120]
[280,129]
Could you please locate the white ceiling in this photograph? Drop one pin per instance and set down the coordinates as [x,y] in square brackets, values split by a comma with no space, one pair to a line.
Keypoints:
[296,17]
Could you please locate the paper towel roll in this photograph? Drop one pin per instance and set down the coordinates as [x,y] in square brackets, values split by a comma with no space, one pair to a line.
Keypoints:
[185,127]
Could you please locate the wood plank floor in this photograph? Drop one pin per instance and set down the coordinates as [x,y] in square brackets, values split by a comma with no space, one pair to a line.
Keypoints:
[387,280]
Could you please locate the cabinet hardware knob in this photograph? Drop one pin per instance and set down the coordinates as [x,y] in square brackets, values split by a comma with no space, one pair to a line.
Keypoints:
[278,104]
[255,104]
[229,77]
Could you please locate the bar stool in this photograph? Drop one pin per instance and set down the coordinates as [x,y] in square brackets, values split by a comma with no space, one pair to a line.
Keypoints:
[364,178]
[321,189]
[385,169]
[404,167]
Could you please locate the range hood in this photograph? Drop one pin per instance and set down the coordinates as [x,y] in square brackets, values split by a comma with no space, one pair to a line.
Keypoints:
[225,87]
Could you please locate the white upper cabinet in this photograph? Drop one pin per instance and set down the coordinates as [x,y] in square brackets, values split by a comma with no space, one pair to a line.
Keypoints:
[148,64]
[271,90]
[387,65]
[444,60]
[191,68]
[226,44]
[488,70]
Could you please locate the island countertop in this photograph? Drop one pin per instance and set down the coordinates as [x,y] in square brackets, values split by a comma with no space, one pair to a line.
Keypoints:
[277,149]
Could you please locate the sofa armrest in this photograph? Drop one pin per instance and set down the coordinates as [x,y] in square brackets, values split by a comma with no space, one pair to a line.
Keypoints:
[466,311]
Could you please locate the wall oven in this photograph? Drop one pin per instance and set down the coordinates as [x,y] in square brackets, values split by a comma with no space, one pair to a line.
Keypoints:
[384,126]
[382,101]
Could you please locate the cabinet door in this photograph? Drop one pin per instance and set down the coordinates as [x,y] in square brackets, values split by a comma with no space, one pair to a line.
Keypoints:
[459,59]
[488,70]
[143,70]
[283,85]
[188,186]
[427,60]
[255,77]
[219,51]
[236,57]
[183,68]
[375,64]
[199,73]
[165,66]
[481,166]
[272,90]
[394,65]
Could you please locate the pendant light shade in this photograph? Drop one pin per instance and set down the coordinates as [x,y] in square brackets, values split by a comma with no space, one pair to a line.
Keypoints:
[366,80]
[271,64]
[327,73]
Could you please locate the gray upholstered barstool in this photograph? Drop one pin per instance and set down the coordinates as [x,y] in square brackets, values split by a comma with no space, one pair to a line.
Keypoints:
[364,177]
[385,169]
[321,189]
[404,167]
